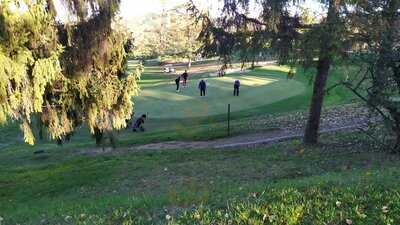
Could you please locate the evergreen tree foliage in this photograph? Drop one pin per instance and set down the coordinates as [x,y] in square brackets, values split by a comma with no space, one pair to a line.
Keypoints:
[378,39]
[292,38]
[64,74]
[29,62]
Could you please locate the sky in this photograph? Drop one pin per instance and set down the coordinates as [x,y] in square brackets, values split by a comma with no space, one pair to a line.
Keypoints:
[131,9]
[136,8]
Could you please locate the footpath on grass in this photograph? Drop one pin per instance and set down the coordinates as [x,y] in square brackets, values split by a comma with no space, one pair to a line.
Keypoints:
[339,118]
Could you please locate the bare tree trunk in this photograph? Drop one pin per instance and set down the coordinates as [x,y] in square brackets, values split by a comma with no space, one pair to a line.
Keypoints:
[189,62]
[40,126]
[396,130]
[327,50]
[313,123]
[98,135]
[396,148]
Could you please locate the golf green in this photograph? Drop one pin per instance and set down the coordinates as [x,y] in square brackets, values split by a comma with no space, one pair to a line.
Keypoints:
[160,100]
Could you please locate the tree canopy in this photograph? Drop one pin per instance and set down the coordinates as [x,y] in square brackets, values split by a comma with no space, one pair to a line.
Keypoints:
[172,32]
[292,38]
[63,75]
[377,25]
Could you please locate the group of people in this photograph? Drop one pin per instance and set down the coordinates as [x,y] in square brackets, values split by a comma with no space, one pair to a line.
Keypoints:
[184,77]
[139,122]
[202,84]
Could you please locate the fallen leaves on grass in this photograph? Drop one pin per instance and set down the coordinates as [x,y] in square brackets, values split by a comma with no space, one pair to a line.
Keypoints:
[349,222]
[385,209]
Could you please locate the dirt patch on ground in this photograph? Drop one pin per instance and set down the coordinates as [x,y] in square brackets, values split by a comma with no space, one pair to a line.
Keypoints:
[288,127]
[210,144]
[267,138]
[175,145]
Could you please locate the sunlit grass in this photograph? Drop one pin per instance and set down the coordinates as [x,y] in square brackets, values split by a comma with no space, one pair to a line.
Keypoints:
[251,81]
[258,88]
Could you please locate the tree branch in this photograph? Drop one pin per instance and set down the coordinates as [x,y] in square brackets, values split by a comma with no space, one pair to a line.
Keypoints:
[349,86]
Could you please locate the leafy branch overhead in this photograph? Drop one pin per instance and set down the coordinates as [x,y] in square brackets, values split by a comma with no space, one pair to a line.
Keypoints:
[274,29]
[235,31]
[64,75]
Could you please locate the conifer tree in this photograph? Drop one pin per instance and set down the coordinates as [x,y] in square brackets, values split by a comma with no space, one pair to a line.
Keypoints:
[64,74]
[378,38]
[276,30]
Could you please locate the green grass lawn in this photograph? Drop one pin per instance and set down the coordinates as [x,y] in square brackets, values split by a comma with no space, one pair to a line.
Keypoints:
[281,184]
[258,88]
[288,183]
[262,95]
[264,92]
[214,126]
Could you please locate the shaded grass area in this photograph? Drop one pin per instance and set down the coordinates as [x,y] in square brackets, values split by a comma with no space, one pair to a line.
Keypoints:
[143,187]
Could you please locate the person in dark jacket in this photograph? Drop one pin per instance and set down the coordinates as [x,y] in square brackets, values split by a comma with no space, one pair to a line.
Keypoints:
[139,124]
[290,75]
[202,87]
[177,81]
[185,76]
[236,87]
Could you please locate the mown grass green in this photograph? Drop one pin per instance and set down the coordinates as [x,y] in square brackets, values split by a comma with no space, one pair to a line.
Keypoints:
[258,88]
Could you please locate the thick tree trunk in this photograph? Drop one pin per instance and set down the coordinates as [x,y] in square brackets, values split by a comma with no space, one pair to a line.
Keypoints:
[396,148]
[98,135]
[327,49]
[396,130]
[395,127]
[40,127]
[311,133]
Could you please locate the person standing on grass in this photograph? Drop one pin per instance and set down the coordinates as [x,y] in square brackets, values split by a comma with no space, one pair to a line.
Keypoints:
[290,75]
[185,76]
[177,81]
[236,87]
[202,87]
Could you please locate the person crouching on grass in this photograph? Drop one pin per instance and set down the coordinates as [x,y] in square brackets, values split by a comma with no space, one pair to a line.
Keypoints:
[202,87]
[139,124]
[236,87]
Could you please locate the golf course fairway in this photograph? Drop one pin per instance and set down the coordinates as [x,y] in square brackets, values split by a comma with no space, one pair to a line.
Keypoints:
[160,100]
